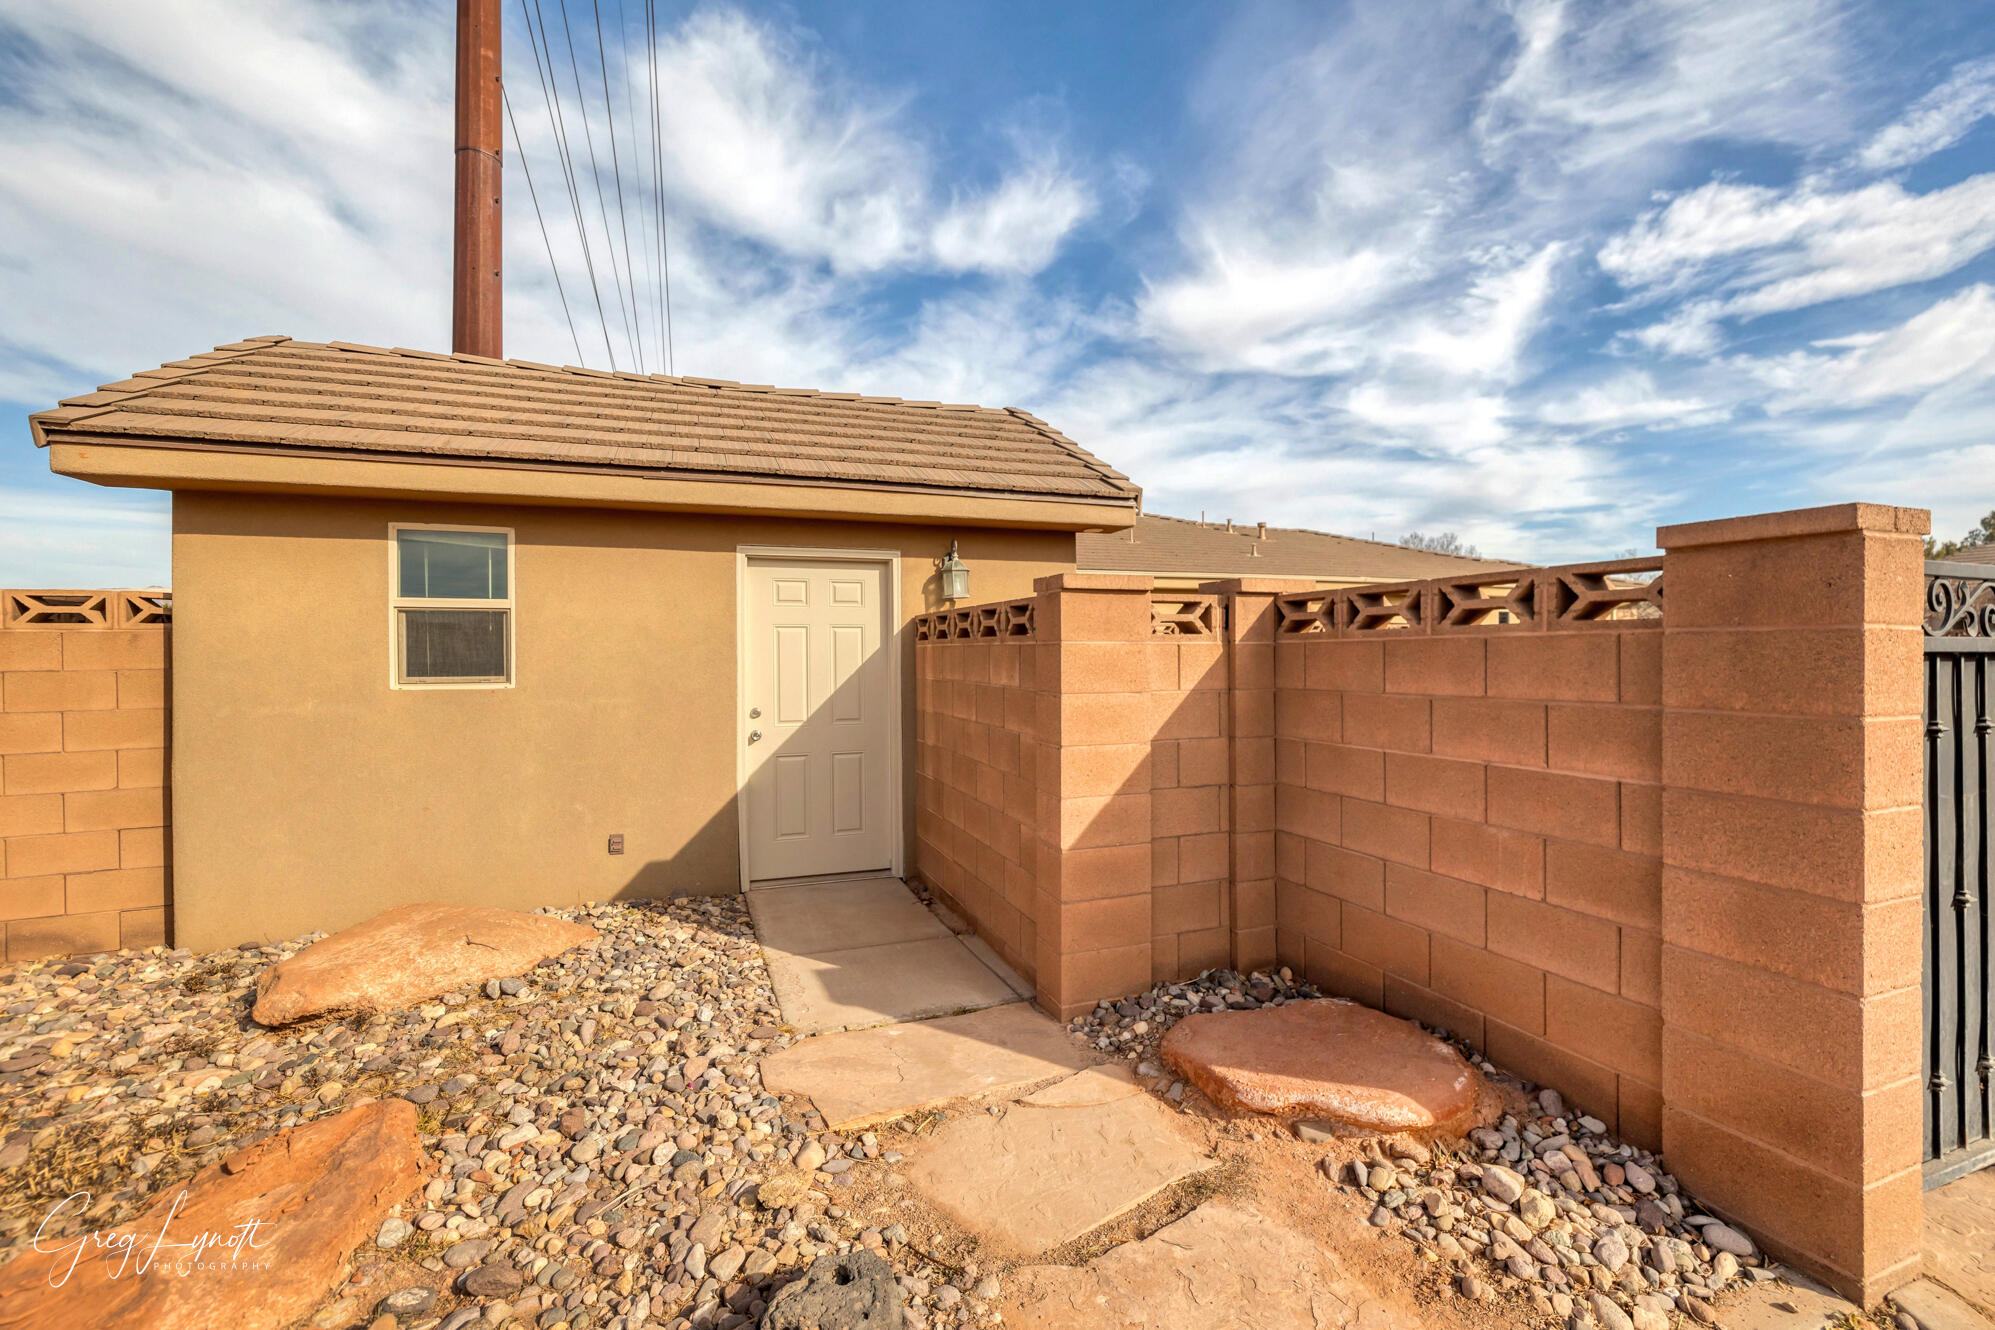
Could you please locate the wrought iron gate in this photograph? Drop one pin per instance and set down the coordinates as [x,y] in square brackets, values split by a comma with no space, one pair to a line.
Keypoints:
[1960,713]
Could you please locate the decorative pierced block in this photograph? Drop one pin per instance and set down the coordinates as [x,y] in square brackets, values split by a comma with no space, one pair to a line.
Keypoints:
[1478,602]
[1010,619]
[82,609]
[137,608]
[1589,593]
[1184,616]
[1309,612]
[1393,608]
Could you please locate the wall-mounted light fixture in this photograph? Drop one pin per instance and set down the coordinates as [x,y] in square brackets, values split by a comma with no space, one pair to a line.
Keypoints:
[955,576]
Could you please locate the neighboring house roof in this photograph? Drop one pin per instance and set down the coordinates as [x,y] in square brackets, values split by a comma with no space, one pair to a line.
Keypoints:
[1984,553]
[1177,547]
[275,395]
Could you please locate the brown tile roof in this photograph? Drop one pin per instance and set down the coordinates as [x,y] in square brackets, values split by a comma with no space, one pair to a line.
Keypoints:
[1984,553]
[274,394]
[1176,547]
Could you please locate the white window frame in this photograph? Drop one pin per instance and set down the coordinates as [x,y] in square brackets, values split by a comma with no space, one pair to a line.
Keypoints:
[398,602]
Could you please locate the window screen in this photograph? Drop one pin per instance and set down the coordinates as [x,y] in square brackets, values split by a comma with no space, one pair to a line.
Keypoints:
[453,644]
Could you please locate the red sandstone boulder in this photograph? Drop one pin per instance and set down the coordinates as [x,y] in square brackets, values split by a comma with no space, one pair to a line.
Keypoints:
[1327,1059]
[251,1243]
[403,955]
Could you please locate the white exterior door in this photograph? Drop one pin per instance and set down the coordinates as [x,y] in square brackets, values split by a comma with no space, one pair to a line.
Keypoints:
[817,702]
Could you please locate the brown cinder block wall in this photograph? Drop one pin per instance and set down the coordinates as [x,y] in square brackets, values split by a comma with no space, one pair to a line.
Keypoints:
[1467,834]
[84,843]
[1647,831]
[976,783]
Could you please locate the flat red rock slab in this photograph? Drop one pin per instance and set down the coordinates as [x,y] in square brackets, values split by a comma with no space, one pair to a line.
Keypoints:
[404,955]
[1326,1059]
[254,1242]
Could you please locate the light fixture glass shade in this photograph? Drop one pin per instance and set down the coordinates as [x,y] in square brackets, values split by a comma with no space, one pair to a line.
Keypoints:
[955,576]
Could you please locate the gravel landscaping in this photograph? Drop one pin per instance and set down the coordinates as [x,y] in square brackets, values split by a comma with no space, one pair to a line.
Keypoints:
[598,1127]
[1545,1202]
[605,1155]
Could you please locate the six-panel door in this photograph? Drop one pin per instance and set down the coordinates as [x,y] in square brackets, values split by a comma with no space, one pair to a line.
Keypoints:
[815,718]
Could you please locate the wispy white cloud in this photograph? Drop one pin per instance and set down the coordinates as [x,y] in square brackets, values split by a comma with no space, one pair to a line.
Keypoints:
[1949,344]
[1596,82]
[1629,399]
[771,143]
[1758,249]
[1936,121]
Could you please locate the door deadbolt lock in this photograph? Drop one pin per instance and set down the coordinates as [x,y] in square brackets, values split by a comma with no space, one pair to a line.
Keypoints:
[754,713]
[754,735]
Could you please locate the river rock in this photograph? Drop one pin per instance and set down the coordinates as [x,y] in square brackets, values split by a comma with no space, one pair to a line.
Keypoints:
[406,954]
[1609,1314]
[1724,1238]
[305,1197]
[1502,1184]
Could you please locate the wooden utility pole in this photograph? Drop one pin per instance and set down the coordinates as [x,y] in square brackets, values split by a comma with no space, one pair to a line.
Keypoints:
[477,288]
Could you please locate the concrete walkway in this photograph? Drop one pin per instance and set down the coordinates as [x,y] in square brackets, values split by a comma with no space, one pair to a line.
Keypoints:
[845,955]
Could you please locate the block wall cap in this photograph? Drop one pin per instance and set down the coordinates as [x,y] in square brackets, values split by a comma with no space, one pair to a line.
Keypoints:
[1265,586]
[1828,520]
[1094,582]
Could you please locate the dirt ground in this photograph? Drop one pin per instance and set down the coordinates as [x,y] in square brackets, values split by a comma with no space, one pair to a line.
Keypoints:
[1263,1164]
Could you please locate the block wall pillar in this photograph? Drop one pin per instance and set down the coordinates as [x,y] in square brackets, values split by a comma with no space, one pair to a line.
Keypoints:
[1093,822]
[1792,881]
[1250,658]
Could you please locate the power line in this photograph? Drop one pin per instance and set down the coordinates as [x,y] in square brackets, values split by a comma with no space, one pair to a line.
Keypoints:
[637,163]
[519,147]
[595,169]
[658,182]
[557,123]
[616,166]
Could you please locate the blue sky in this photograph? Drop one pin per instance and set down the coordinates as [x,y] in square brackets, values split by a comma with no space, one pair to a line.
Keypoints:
[1545,273]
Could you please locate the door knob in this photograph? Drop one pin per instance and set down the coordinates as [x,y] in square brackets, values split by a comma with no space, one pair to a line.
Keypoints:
[754,713]
[754,735]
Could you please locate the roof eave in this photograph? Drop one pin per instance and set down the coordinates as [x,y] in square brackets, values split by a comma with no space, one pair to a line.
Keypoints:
[127,463]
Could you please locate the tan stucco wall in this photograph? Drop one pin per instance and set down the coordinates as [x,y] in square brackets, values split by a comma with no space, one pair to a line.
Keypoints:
[308,794]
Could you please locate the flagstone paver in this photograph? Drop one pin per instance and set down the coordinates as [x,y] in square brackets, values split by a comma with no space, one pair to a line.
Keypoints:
[1030,1179]
[861,1077]
[1221,1267]
[1084,1089]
